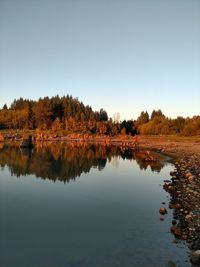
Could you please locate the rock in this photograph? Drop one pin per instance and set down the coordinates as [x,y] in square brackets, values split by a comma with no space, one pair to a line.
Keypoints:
[195,257]
[188,174]
[176,231]
[163,210]
[178,206]
[191,177]
[174,222]
[170,188]
[188,218]
[172,229]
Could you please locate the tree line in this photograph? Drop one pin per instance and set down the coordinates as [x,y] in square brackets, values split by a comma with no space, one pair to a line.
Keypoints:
[159,124]
[72,116]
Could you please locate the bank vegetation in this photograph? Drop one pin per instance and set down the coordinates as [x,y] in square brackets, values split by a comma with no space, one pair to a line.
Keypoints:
[69,115]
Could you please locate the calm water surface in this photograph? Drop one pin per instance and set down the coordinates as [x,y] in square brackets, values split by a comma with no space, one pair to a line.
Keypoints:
[83,206]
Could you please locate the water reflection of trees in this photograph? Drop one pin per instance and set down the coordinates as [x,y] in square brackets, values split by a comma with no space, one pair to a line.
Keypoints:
[64,162]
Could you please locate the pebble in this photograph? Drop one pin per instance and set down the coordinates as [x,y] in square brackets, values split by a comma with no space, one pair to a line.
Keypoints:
[174,222]
[188,218]
[163,210]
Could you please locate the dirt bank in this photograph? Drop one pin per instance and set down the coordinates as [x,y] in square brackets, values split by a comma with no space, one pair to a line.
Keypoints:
[174,146]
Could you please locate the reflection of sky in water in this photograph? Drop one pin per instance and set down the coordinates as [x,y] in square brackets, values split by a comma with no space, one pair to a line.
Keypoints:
[104,218]
[115,162]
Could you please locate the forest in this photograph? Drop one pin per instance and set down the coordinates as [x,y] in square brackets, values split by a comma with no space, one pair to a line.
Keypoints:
[70,115]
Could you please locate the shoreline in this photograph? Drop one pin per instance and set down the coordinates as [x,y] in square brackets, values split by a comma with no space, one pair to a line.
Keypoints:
[184,190]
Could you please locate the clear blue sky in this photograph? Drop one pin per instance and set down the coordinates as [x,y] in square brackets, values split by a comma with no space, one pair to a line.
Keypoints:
[123,55]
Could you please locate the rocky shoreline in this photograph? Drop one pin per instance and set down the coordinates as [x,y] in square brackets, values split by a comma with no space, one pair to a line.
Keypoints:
[184,189]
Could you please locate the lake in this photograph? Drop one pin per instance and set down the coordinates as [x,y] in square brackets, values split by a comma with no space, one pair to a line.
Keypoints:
[84,205]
